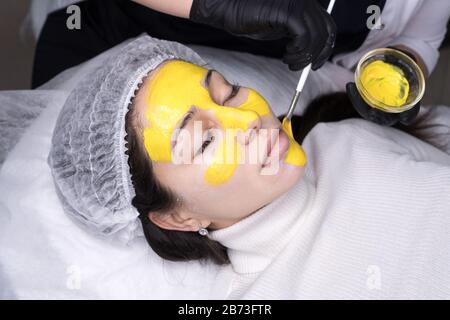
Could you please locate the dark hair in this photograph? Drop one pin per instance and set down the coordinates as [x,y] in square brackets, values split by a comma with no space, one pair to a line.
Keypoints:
[151,196]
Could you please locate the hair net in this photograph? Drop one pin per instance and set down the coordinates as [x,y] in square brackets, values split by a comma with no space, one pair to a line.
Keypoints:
[87,157]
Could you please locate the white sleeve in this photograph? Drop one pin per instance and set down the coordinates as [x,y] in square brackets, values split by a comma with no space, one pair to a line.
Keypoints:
[425,32]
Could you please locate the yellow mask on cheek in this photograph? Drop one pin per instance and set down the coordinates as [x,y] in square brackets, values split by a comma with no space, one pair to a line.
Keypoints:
[174,90]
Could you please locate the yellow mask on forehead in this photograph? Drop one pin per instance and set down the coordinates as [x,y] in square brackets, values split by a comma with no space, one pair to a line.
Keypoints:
[173,91]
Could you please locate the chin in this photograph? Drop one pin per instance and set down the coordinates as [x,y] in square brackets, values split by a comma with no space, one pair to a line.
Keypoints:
[284,180]
[284,172]
[293,173]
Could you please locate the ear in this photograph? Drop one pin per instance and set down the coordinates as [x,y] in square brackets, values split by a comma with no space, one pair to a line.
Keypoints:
[176,221]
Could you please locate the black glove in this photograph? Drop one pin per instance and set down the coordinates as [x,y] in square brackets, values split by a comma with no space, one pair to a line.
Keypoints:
[311,29]
[376,115]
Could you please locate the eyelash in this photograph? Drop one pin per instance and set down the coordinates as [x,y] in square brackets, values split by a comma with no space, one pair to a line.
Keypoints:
[188,117]
[234,91]
[207,142]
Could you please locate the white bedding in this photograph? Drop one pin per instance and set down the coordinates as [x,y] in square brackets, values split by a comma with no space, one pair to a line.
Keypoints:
[43,254]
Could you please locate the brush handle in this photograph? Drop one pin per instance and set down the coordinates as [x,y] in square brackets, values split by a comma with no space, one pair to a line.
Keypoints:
[303,77]
[331,6]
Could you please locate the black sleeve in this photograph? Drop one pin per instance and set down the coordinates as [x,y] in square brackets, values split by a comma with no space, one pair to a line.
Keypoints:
[103,25]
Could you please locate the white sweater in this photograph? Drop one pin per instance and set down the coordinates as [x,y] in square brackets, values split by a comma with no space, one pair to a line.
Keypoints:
[369,220]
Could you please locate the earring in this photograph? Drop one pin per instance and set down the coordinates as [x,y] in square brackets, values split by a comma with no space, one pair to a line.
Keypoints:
[203,231]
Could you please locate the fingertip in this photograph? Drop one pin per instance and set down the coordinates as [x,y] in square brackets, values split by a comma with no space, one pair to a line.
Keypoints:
[351,87]
[297,59]
[296,67]
[317,65]
[409,116]
[323,57]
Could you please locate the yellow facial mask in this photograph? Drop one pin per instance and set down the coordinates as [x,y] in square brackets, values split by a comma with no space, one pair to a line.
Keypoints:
[173,91]
[386,83]
[295,156]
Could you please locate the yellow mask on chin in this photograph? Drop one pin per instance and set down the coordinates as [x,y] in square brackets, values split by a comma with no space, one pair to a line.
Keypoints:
[173,91]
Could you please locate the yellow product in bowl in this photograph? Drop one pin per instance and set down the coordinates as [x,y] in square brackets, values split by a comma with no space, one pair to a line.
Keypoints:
[385,83]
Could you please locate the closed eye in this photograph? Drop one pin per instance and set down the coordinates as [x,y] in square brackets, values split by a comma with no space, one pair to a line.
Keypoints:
[234,92]
[208,83]
[206,143]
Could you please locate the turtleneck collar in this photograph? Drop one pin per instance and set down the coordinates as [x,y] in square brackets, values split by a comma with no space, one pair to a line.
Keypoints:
[254,241]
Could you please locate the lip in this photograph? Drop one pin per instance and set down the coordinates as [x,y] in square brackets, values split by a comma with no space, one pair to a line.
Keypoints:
[282,145]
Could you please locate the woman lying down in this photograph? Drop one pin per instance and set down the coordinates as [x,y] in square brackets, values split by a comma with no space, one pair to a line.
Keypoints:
[154,143]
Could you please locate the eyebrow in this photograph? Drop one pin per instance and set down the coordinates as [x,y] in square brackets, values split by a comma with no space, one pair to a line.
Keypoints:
[208,77]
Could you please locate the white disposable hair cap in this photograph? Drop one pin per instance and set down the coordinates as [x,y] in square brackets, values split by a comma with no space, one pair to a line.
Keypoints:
[88,156]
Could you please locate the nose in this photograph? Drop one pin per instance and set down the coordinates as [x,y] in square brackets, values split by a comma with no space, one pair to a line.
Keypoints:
[236,118]
[245,137]
[245,122]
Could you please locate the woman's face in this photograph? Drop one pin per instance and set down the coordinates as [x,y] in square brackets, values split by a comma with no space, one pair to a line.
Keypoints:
[217,146]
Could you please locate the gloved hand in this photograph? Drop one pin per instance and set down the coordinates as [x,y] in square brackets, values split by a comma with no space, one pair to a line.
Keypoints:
[376,115]
[311,29]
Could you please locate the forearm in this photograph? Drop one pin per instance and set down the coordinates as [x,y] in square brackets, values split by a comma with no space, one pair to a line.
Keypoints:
[179,8]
